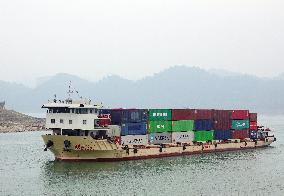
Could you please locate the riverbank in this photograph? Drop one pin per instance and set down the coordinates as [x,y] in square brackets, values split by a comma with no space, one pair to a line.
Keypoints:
[12,121]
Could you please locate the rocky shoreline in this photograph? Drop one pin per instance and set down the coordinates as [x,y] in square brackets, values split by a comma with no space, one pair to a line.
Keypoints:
[12,121]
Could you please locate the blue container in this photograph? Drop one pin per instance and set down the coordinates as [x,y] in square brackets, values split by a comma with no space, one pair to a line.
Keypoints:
[136,115]
[201,125]
[134,129]
[223,134]
[104,111]
[119,116]
[253,134]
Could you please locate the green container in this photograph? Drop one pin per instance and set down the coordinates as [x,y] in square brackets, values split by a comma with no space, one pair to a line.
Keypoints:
[203,136]
[160,114]
[240,124]
[182,125]
[160,126]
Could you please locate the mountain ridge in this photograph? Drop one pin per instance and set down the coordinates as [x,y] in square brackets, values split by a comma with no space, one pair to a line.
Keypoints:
[178,86]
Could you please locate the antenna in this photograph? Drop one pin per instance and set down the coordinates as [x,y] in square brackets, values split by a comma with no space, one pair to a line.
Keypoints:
[69,90]
[54,100]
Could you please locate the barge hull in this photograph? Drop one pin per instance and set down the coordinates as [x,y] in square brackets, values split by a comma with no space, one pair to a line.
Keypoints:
[149,156]
[103,151]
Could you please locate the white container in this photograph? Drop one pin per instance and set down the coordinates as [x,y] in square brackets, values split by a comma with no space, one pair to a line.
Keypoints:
[114,130]
[160,138]
[134,140]
[183,137]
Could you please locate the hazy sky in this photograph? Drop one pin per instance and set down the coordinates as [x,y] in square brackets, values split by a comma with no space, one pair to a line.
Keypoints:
[93,38]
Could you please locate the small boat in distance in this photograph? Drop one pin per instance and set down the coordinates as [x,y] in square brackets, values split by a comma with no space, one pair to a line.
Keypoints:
[82,131]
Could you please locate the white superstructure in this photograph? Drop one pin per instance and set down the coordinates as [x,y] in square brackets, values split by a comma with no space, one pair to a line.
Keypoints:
[69,115]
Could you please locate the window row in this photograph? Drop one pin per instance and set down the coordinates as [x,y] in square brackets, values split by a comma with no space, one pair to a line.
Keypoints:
[84,122]
[74,111]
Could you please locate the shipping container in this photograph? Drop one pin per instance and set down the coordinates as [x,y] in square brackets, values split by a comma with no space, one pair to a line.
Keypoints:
[222,124]
[182,125]
[183,137]
[203,135]
[253,126]
[114,130]
[200,125]
[104,111]
[203,114]
[222,119]
[134,140]
[253,117]
[160,138]
[240,134]
[252,134]
[222,134]
[160,114]
[240,114]
[134,128]
[160,126]
[119,116]
[183,114]
[240,124]
[221,114]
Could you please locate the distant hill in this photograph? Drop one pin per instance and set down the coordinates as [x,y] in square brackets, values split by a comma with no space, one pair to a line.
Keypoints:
[12,121]
[179,86]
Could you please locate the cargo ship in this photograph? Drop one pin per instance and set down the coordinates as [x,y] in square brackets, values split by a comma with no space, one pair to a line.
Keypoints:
[82,131]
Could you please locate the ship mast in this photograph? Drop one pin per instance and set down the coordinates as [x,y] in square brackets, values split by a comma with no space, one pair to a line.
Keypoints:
[69,92]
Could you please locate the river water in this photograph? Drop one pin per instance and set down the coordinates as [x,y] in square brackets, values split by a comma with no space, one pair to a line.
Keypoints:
[25,169]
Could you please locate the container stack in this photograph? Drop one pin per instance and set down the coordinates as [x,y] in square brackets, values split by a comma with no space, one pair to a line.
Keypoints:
[203,125]
[133,124]
[253,126]
[182,125]
[160,126]
[222,124]
[240,124]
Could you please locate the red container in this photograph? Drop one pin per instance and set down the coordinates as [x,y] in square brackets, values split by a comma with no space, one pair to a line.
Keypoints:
[221,114]
[222,120]
[203,114]
[253,117]
[222,124]
[183,114]
[240,134]
[253,126]
[240,114]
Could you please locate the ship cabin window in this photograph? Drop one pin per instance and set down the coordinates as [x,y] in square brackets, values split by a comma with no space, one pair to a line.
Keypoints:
[91,111]
[73,110]
[84,122]
[61,121]
[70,122]
[70,132]
[61,110]
[84,111]
[52,121]
[96,110]
[50,111]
